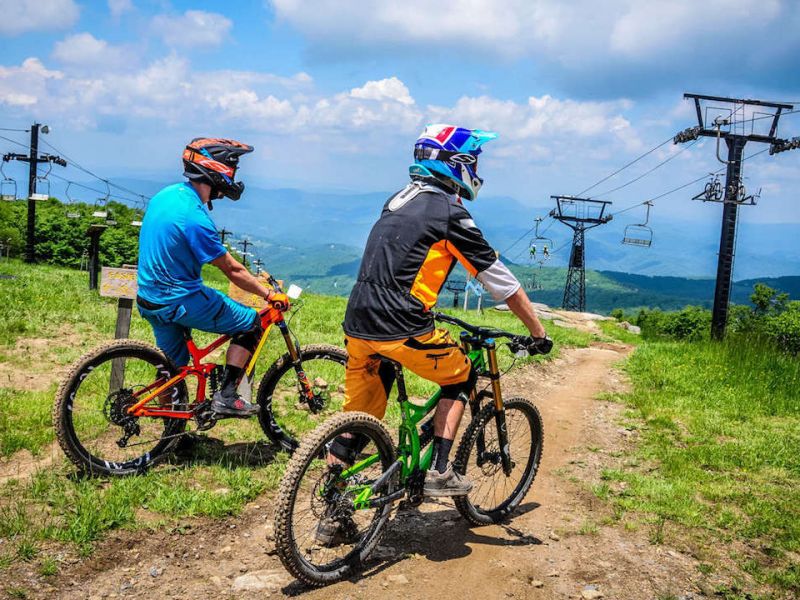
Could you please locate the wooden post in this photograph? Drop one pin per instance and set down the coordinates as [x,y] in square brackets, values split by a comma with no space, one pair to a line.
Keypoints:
[119,284]
[121,331]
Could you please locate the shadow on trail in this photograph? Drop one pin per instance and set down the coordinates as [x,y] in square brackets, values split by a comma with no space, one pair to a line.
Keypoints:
[438,536]
[204,450]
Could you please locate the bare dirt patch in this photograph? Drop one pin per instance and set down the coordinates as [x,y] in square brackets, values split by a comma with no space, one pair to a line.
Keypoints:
[33,364]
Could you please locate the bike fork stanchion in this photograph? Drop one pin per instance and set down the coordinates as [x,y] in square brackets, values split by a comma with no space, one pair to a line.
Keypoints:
[499,408]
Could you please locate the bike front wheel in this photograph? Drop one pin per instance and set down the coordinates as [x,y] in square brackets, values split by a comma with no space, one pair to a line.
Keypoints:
[285,411]
[90,410]
[495,494]
[315,489]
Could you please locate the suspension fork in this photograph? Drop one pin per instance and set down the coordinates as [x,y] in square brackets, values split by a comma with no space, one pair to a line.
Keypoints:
[499,408]
[294,354]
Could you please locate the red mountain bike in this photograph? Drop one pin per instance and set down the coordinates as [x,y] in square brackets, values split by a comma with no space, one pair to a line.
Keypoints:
[123,406]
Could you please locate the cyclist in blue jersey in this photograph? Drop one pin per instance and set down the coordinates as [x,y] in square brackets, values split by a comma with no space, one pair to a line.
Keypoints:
[177,238]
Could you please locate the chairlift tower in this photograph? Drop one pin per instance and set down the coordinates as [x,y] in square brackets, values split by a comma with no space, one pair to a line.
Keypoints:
[579,214]
[734,121]
[33,158]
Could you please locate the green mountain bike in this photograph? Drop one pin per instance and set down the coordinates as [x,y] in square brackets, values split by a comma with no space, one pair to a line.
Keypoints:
[499,451]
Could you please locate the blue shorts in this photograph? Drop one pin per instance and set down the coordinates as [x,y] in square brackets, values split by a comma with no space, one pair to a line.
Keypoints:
[207,310]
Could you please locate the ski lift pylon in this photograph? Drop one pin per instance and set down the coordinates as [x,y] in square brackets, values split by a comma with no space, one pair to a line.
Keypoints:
[8,186]
[639,234]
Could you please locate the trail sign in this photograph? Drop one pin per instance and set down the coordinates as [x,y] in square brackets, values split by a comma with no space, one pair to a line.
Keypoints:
[118,283]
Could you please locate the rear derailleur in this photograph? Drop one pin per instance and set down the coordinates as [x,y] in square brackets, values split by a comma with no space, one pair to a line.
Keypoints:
[115,410]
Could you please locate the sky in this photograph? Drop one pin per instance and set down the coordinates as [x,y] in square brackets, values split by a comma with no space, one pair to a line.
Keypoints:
[333,93]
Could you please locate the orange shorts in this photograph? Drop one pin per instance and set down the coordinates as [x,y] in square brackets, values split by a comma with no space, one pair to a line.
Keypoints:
[434,356]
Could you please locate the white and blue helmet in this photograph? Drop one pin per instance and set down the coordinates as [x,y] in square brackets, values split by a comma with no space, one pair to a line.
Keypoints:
[450,153]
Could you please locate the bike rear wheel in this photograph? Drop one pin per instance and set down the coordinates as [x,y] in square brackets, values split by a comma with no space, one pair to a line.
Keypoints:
[312,490]
[285,412]
[495,495]
[89,413]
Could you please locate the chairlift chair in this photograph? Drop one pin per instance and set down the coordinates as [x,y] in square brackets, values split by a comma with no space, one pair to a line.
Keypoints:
[539,240]
[138,214]
[100,210]
[72,212]
[8,186]
[639,234]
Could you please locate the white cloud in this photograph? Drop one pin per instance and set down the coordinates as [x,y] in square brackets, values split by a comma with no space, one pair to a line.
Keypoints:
[22,16]
[385,89]
[380,113]
[611,48]
[545,126]
[85,50]
[194,28]
[25,85]
[119,7]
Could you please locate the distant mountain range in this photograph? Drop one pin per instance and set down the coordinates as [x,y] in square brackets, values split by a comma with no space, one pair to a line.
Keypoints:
[316,238]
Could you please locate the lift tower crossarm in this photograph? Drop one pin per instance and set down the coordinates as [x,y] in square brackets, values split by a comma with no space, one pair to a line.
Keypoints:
[733,197]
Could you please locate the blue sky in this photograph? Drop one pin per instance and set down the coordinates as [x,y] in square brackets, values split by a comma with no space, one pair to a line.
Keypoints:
[333,93]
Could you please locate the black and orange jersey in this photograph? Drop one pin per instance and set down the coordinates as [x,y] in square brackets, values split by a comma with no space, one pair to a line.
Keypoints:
[413,247]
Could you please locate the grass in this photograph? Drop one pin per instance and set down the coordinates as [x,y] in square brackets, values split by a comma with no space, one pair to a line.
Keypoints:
[721,442]
[213,478]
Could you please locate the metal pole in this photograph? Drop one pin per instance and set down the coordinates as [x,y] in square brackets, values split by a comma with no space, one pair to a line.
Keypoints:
[94,259]
[727,238]
[30,242]
[575,288]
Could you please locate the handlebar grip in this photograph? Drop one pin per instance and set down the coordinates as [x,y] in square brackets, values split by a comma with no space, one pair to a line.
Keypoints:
[280,302]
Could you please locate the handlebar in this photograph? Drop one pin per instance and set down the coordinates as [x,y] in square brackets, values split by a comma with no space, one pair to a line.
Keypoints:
[483,332]
[519,344]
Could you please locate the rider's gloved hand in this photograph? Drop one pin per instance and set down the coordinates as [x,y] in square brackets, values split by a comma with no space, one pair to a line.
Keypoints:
[540,345]
[533,345]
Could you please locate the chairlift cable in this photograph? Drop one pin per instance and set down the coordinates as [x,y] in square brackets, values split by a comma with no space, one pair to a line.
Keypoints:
[622,168]
[95,175]
[646,173]
[14,141]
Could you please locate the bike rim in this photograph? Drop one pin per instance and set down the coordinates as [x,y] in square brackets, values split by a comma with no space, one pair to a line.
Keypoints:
[310,507]
[95,400]
[493,490]
[292,415]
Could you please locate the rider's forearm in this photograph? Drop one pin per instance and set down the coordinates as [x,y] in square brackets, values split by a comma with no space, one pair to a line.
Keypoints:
[521,306]
[242,278]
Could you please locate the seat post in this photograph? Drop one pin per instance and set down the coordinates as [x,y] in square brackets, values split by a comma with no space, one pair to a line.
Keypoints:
[401,382]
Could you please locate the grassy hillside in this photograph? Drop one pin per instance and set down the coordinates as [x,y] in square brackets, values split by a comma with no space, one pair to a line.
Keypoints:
[48,320]
[716,468]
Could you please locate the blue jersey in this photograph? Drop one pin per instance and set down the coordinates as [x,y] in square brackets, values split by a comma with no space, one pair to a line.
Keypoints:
[177,238]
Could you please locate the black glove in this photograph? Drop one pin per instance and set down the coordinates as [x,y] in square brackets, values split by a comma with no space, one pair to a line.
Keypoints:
[540,345]
[531,345]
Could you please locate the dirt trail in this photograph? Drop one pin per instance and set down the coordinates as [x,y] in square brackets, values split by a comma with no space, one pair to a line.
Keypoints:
[551,549]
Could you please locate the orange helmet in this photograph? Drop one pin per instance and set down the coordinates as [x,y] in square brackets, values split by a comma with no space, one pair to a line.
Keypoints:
[214,161]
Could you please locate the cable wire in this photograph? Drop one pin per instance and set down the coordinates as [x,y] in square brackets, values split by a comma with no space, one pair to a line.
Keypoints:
[622,168]
[80,167]
[2,137]
[13,129]
[646,173]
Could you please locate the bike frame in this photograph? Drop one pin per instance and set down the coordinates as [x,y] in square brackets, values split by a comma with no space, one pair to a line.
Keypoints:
[271,315]
[483,355]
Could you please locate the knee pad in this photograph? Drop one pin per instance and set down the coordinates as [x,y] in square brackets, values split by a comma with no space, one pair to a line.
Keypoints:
[249,339]
[347,447]
[461,391]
